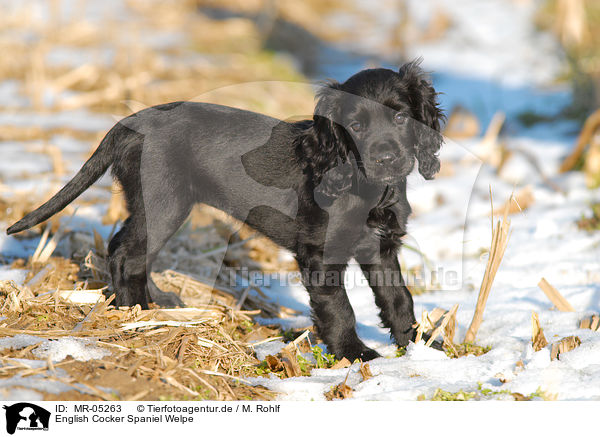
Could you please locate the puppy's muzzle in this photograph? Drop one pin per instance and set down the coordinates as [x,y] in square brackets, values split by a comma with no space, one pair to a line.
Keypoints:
[386,155]
[385,159]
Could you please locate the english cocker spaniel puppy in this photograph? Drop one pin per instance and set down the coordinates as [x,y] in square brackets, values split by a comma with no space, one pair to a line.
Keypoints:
[327,189]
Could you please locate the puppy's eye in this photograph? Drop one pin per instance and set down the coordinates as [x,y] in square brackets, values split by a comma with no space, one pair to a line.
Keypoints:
[400,117]
[356,126]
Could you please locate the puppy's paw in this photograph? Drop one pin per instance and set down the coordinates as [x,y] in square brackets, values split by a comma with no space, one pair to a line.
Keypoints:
[368,355]
[359,352]
[403,336]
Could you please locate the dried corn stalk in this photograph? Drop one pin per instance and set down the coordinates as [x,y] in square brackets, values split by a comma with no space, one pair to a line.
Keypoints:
[427,323]
[591,166]
[491,152]
[520,202]
[585,137]
[340,391]
[557,299]
[450,329]
[437,322]
[365,371]
[290,361]
[500,236]
[538,340]
[592,323]
[461,124]
[564,345]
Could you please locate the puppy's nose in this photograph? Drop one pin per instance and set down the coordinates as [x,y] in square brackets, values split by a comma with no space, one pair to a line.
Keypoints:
[385,158]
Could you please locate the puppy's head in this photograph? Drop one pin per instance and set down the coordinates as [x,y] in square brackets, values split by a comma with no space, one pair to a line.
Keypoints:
[387,120]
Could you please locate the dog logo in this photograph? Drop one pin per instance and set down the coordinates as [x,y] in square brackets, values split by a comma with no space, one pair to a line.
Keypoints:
[26,416]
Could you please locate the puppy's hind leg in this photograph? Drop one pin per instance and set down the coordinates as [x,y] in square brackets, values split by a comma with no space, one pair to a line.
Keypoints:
[131,253]
[160,227]
[127,264]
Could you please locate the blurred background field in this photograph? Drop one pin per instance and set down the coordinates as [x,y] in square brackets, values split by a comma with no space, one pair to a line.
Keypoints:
[518,80]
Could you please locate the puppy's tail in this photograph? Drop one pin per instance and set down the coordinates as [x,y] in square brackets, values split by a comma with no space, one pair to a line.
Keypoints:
[91,171]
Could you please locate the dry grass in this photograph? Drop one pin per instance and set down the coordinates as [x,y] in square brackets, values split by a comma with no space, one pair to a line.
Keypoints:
[193,353]
[464,349]
[307,14]
[139,73]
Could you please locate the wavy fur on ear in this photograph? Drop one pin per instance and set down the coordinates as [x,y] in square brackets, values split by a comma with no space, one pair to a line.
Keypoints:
[324,147]
[425,106]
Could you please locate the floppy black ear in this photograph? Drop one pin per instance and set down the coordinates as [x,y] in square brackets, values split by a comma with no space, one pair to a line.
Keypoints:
[325,146]
[424,104]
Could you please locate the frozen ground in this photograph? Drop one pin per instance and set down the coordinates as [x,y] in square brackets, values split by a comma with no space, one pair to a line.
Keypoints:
[493,60]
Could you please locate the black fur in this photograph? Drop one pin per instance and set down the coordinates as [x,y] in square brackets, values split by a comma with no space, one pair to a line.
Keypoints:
[327,189]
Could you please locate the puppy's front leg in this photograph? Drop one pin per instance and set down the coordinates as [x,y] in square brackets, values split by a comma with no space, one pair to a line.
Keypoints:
[331,310]
[392,297]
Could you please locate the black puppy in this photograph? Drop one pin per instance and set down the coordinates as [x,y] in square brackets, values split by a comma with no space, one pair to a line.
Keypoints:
[327,189]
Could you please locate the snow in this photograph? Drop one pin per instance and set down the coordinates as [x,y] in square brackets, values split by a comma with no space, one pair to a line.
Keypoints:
[493,59]
[8,274]
[80,349]
[36,382]
[16,387]
[521,55]
[269,348]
